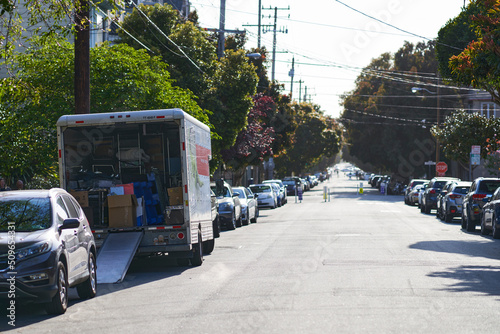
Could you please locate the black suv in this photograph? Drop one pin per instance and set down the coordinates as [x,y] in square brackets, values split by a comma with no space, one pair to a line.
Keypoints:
[429,198]
[479,193]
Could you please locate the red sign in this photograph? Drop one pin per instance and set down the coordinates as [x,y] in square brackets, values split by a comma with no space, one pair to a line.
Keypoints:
[441,167]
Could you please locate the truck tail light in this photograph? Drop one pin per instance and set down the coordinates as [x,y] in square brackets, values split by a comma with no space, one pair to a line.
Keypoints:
[432,191]
[180,235]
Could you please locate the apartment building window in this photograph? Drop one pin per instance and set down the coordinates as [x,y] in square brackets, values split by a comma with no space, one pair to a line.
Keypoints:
[488,109]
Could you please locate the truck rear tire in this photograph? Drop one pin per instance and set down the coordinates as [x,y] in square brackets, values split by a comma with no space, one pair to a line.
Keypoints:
[197,259]
[208,246]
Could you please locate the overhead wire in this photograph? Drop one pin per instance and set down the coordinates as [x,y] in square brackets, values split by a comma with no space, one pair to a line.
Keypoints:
[168,38]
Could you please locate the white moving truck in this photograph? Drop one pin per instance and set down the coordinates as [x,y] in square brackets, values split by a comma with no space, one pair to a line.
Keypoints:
[143,180]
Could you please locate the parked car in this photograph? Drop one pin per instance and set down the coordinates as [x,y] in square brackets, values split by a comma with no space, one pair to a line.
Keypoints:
[292,184]
[283,190]
[249,208]
[421,193]
[429,197]
[229,205]
[491,213]
[215,214]
[54,248]
[413,194]
[440,198]
[451,206]
[410,187]
[266,197]
[480,191]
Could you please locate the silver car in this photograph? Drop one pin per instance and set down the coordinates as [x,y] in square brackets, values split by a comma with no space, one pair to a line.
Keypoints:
[249,208]
[266,196]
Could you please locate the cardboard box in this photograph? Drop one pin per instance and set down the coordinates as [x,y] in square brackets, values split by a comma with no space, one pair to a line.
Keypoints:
[175,196]
[82,197]
[122,210]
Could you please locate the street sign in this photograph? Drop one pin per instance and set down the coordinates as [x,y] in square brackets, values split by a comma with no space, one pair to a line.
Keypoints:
[475,159]
[441,167]
[475,149]
[429,163]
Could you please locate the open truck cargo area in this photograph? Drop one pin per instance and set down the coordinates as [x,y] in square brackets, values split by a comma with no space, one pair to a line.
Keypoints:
[141,171]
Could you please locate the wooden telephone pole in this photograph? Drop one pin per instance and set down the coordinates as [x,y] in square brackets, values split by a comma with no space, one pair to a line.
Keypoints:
[82,58]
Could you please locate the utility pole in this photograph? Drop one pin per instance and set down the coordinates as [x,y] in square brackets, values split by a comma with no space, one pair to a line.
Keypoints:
[291,74]
[260,24]
[300,89]
[305,94]
[82,59]
[273,71]
[222,24]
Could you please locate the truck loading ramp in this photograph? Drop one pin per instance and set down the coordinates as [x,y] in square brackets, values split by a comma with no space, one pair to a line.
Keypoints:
[115,256]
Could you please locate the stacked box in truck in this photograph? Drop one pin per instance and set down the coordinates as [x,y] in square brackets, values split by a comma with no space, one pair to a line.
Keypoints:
[162,156]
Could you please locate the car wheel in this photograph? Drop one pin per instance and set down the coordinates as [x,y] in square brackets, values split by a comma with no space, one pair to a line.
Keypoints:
[254,219]
[208,246]
[447,217]
[422,208]
[496,230]
[88,289]
[197,259]
[59,302]
[427,209]
[463,219]
[484,230]
[470,226]
[239,222]
[232,223]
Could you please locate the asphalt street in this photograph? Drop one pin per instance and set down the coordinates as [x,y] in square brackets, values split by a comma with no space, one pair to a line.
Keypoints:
[355,264]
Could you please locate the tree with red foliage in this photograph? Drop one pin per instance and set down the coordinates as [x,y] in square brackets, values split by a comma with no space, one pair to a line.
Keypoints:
[479,64]
[253,144]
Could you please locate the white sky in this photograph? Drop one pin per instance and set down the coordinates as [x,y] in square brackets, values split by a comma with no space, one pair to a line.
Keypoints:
[325,33]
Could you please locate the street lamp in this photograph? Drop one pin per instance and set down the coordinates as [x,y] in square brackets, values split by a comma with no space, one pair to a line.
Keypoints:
[419,89]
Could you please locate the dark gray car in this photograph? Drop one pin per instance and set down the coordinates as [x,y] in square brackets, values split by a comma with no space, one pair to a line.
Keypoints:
[46,240]
[480,191]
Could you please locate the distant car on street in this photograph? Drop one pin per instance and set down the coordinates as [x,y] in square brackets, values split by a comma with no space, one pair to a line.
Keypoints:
[266,196]
[249,208]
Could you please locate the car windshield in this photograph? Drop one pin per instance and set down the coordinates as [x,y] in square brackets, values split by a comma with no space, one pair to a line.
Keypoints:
[461,190]
[26,214]
[239,192]
[289,183]
[224,193]
[439,184]
[261,189]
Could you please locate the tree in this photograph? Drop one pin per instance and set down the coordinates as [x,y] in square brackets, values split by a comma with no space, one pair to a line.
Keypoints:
[462,130]
[385,127]
[453,38]
[30,103]
[253,143]
[479,64]
[316,136]
[224,87]
[230,97]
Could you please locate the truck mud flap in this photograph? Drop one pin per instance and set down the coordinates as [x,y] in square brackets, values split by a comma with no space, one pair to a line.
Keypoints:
[115,256]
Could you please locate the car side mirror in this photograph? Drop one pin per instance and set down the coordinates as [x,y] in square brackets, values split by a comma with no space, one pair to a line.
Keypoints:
[255,196]
[69,223]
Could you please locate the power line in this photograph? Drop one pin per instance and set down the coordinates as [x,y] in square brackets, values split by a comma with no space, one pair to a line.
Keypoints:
[168,38]
[393,26]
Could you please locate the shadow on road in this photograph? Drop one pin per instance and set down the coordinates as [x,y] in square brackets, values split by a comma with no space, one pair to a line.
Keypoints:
[482,279]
